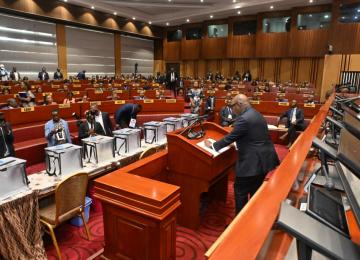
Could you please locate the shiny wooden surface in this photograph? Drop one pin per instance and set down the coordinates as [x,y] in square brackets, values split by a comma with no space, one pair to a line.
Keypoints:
[248,231]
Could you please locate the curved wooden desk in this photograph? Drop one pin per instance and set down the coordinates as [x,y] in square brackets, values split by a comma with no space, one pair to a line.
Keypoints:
[246,234]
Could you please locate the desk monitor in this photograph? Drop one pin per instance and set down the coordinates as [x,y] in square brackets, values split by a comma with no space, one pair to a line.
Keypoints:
[352,124]
[349,151]
[351,185]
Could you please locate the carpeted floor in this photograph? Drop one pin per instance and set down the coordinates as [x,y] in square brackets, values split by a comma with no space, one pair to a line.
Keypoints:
[190,244]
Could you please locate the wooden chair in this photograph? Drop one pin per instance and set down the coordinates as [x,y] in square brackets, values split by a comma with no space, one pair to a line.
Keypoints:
[69,202]
[147,152]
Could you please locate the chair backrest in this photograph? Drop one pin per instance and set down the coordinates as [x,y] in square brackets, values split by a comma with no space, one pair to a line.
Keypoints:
[70,196]
[147,152]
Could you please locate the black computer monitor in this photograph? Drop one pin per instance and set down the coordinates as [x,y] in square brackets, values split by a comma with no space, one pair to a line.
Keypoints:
[351,185]
[349,151]
[352,123]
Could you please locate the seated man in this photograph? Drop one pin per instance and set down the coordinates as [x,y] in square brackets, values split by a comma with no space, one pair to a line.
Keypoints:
[126,115]
[227,117]
[11,104]
[141,95]
[90,127]
[57,130]
[295,122]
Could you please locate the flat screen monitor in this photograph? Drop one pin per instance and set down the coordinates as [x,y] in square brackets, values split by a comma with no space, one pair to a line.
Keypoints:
[349,151]
[352,123]
[351,185]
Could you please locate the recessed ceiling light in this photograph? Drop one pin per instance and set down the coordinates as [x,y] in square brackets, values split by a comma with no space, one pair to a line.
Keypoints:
[271,7]
[239,12]
[201,1]
[211,16]
[169,0]
[234,1]
[92,7]
[167,24]
[134,18]
[150,22]
[187,20]
[115,13]
[358,10]
[311,1]
[326,16]
[65,1]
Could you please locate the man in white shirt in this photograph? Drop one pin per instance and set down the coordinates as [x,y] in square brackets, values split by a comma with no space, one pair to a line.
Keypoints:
[103,119]
[15,75]
[4,74]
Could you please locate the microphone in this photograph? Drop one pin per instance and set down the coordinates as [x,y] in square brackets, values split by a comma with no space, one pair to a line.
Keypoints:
[191,134]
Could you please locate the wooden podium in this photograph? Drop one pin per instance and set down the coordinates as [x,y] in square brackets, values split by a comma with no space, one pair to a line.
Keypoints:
[139,216]
[196,171]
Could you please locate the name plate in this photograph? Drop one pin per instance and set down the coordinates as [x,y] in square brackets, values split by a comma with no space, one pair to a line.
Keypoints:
[309,105]
[283,104]
[117,85]
[76,85]
[27,109]
[98,92]
[119,102]
[258,93]
[241,86]
[306,95]
[118,91]
[235,92]
[55,86]
[47,94]
[172,100]
[76,80]
[95,103]
[64,105]
[256,102]
[281,94]
[76,92]
[146,101]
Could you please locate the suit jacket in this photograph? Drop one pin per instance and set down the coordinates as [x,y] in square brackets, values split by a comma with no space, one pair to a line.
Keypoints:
[299,117]
[81,75]
[12,75]
[58,76]
[107,123]
[6,141]
[168,77]
[208,104]
[124,114]
[256,152]
[224,116]
[84,129]
[40,75]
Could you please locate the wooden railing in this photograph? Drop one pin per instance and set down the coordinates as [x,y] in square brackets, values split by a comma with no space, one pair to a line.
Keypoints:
[247,233]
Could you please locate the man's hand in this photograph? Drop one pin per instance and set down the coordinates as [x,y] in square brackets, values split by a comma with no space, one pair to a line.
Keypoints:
[208,143]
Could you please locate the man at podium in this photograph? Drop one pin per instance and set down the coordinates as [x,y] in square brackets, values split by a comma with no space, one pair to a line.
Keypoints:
[256,152]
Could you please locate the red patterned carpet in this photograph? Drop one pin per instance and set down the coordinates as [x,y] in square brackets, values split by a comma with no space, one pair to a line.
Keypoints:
[190,244]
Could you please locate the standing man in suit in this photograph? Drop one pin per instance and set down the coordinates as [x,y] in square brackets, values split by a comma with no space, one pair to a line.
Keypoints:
[210,105]
[126,115]
[58,74]
[81,75]
[103,119]
[256,153]
[15,75]
[295,122]
[90,127]
[43,75]
[227,117]
[171,79]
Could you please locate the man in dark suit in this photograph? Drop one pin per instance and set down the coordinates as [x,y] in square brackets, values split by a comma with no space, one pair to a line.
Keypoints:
[103,119]
[58,74]
[210,105]
[43,75]
[15,75]
[126,115]
[90,127]
[227,117]
[256,152]
[81,75]
[171,79]
[295,122]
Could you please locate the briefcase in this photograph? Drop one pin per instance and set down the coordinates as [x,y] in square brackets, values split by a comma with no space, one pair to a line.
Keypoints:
[188,119]
[13,178]
[155,132]
[98,149]
[127,140]
[63,159]
[173,123]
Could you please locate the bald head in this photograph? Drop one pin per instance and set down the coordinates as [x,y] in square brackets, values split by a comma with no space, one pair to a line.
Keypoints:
[240,102]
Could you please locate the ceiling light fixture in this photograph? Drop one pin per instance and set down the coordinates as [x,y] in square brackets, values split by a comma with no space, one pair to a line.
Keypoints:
[134,18]
[115,13]
[167,24]
[201,1]
[65,1]
[150,22]
[239,12]
[187,20]
[92,7]
[234,1]
[271,7]
[311,1]
[211,16]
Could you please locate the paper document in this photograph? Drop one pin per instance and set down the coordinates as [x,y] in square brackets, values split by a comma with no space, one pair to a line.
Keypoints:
[210,150]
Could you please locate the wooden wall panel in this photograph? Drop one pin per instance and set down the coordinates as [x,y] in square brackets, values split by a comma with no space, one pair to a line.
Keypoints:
[269,69]
[61,48]
[270,45]
[241,46]
[285,70]
[201,68]
[117,54]
[319,76]
[331,74]
[308,43]
[189,68]
[159,66]
[253,67]
[354,62]
[172,50]
[304,70]
[225,68]
[190,49]
[213,48]
[211,65]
